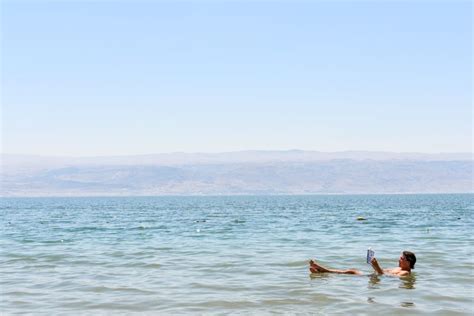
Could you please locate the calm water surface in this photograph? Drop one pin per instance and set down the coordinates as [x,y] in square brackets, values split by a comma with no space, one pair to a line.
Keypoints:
[221,255]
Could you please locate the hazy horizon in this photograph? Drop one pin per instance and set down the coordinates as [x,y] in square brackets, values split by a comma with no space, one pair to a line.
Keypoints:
[238,173]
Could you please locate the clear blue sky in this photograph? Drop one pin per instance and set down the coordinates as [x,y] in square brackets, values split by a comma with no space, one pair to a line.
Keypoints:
[128,77]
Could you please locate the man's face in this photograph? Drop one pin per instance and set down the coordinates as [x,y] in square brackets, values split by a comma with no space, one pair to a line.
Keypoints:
[403,262]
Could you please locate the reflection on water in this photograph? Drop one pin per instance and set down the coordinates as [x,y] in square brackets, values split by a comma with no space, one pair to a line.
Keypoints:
[319,275]
[374,279]
[408,282]
[407,304]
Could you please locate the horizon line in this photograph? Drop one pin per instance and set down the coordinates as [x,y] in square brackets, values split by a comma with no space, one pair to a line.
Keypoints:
[236,151]
[235,195]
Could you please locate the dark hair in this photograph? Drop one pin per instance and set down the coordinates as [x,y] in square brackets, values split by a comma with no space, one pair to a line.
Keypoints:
[410,256]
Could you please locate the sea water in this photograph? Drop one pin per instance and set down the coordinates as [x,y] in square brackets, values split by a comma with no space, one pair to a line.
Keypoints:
[242,254]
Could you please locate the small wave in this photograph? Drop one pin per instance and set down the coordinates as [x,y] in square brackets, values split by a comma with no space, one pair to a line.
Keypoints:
[23,293]
[85,229]
[152,265]
[228,304]
[284,301]
[298,263]
[103,289]
[19,258]
[52,258]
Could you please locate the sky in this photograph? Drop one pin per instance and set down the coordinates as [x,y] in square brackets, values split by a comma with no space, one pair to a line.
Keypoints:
[94,78]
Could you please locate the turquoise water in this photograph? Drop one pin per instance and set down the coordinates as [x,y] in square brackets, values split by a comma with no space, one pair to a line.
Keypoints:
[221,255]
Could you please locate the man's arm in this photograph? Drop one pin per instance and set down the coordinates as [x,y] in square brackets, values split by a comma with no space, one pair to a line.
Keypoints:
[376,266]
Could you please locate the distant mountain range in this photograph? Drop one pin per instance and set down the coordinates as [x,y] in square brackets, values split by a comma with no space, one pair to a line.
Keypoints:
[245,172]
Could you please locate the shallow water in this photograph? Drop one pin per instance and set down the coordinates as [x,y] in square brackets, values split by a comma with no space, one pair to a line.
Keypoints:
[247,255]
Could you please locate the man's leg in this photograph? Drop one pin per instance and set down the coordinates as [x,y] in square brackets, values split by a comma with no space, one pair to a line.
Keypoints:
[315,268]
[352,271]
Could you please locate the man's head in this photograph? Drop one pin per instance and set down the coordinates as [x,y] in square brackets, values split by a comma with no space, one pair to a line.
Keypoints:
[407,260]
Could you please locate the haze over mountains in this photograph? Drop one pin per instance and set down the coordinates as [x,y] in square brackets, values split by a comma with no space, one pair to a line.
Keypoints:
[244,172]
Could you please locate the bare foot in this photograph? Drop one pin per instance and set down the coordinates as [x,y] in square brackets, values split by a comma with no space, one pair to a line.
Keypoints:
[312,267]
[317,267]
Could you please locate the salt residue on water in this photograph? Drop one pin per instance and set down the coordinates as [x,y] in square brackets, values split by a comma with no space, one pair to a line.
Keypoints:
[229,254]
